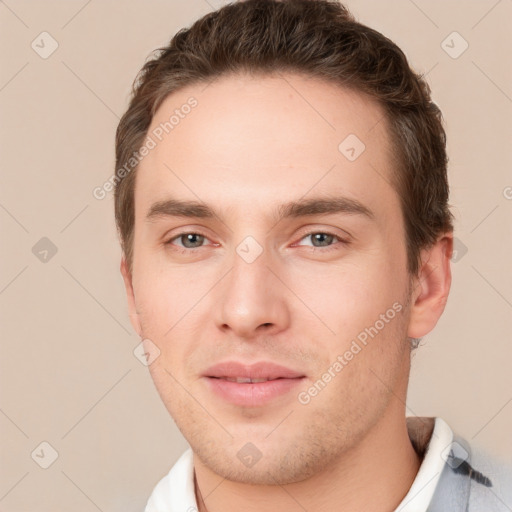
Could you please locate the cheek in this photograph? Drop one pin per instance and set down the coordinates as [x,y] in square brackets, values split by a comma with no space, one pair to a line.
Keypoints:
[165,294]
[171,304]
[348,297]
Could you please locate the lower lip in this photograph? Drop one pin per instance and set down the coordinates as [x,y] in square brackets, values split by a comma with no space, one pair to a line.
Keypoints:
[252,394]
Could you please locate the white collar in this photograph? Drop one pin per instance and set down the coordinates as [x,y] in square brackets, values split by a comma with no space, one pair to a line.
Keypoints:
[422,489]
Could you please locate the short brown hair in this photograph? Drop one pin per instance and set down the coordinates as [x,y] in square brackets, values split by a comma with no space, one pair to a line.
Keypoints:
[315,38]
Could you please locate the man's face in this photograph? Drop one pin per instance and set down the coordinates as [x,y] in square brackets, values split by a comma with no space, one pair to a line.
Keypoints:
[257,282]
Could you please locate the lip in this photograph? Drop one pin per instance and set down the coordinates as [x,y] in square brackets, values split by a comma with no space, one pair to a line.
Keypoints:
[261,370]
[281,380]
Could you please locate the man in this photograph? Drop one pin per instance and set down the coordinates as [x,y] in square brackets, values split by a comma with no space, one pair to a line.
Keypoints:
[282,204]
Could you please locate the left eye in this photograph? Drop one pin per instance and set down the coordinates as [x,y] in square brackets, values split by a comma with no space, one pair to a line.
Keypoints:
[321,239]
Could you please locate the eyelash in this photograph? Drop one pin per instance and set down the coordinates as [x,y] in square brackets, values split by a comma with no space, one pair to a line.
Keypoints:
[184,250]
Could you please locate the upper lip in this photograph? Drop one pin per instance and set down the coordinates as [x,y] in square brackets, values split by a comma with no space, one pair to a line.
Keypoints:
[260,370]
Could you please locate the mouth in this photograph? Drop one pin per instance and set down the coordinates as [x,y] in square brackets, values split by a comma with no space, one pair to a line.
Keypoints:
[243,380]
[251,385]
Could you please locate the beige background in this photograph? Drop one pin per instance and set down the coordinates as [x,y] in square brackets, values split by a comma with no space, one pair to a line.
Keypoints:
[68,373]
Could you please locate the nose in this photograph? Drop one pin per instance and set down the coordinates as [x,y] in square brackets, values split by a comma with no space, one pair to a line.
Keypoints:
[251,300]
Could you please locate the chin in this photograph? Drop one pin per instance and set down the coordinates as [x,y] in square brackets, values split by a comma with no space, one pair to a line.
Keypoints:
[269,463]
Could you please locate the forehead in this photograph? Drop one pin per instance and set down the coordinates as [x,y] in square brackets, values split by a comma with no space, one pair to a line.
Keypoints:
[265,138]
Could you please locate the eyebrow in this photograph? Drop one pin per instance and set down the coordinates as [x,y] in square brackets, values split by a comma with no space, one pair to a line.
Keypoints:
[293,209]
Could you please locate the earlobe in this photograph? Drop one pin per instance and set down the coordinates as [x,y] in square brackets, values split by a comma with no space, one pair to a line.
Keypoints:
[128,284]
[432,286]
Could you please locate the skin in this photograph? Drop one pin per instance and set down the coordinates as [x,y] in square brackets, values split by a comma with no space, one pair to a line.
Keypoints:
[251,144]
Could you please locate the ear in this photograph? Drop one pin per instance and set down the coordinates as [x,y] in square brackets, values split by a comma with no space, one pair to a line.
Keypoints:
[134,316]
[431,287]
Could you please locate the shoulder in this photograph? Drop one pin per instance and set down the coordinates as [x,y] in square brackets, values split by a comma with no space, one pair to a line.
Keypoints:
[491,483]
[472,481]
[455,476]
